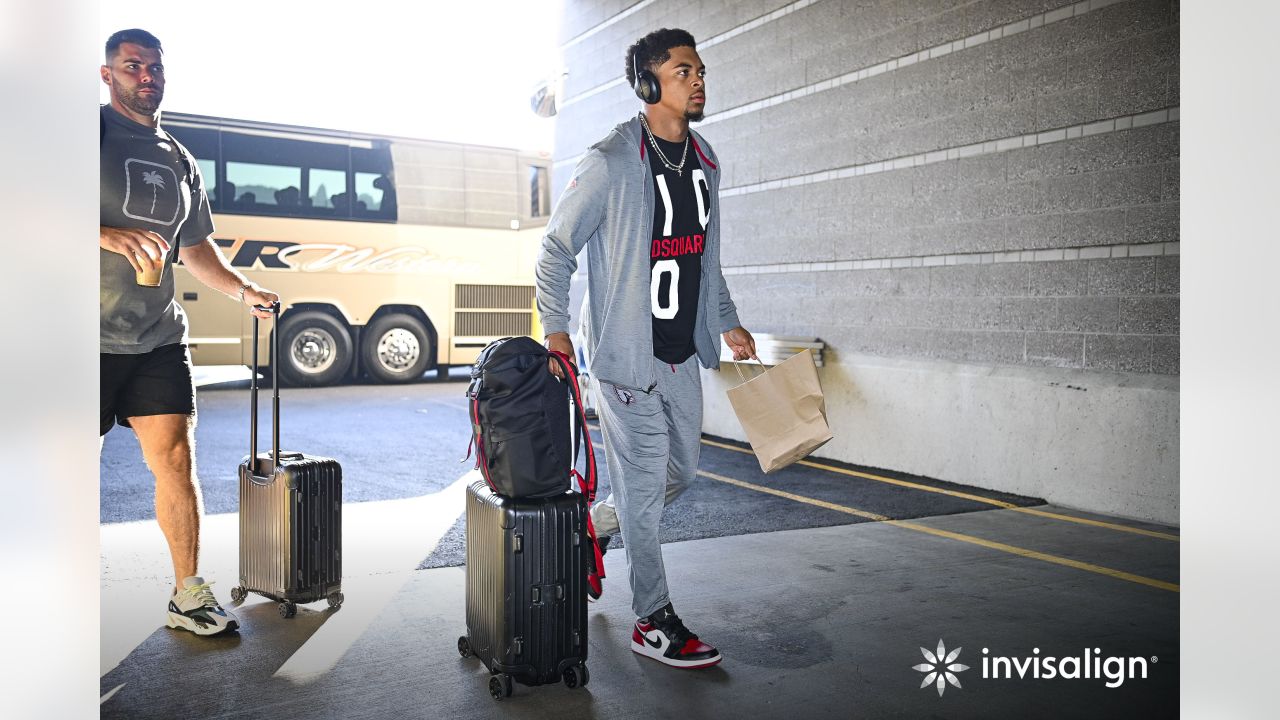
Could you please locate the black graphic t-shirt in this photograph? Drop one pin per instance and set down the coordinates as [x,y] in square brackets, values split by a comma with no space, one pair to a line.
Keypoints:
[146,184]
[682,205]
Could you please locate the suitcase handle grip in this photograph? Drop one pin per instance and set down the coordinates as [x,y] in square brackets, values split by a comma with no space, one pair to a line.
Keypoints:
[275,389]
[267,476]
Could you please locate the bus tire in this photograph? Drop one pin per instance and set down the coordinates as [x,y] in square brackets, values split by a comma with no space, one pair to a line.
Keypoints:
[396,348]
[315,349]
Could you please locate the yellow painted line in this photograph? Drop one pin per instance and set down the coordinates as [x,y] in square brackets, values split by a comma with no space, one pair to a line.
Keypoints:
[963,495]
[1089,567]
[1098,523]
[906,525]
[792,496]
[966,496]
[878,478]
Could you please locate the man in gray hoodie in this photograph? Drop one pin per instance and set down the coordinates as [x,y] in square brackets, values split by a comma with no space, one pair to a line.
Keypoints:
[644,200]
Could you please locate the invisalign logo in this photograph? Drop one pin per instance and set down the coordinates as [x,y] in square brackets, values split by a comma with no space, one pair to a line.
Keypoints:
[940,666]
[1091,666]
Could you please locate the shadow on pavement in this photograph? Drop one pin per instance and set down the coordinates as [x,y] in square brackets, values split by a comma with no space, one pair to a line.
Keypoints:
[267,642]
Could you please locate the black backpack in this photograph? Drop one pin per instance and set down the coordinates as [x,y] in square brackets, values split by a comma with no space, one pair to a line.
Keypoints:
[520,422]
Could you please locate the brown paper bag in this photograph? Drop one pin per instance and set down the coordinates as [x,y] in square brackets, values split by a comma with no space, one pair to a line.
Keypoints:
[783,412]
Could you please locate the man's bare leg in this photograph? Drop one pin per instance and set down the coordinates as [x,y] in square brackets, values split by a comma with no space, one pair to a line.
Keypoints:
[168,446]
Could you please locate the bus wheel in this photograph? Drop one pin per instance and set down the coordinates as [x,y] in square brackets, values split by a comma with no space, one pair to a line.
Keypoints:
[396,348]
[316,349]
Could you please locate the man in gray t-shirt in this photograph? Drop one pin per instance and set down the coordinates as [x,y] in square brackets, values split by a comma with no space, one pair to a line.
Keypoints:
[152,200]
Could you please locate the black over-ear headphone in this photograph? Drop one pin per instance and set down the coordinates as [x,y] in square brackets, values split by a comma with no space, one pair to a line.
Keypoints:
[646,85]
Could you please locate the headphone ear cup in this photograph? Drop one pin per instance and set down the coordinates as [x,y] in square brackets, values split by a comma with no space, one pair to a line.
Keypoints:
[647,88]
[646,85]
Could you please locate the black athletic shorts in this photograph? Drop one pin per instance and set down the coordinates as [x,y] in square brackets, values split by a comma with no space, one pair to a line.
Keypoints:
[154,383]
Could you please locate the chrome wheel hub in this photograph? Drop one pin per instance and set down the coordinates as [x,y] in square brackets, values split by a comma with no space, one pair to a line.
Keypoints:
[313,350]
[398,349]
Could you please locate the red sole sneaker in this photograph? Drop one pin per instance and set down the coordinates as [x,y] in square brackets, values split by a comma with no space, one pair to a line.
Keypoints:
[642,644]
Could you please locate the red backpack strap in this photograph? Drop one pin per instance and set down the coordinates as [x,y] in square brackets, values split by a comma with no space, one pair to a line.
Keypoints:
[586,485]
[477,438]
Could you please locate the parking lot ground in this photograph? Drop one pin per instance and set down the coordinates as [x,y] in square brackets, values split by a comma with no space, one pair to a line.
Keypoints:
[820,584]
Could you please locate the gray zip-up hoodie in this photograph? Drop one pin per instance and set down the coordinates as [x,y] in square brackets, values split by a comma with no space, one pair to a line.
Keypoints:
[608,206]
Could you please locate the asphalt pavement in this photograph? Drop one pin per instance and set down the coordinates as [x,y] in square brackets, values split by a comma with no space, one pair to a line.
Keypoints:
[394,441]
[821,583]
[406,441]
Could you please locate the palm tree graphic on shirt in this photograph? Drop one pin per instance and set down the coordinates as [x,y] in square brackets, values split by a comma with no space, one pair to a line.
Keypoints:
[153,179]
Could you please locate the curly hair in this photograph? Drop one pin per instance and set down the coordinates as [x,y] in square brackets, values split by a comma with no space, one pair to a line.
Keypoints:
[655,48]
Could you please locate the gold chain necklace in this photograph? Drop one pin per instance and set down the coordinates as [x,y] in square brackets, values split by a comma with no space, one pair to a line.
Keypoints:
[684,154]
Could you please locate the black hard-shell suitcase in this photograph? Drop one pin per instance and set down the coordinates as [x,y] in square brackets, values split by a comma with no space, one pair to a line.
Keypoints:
[526,588]
[290,513]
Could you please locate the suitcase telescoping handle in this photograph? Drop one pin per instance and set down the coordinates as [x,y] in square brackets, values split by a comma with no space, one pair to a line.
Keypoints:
[275,390]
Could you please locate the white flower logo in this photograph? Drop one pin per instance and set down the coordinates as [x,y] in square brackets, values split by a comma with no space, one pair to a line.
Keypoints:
[940,668]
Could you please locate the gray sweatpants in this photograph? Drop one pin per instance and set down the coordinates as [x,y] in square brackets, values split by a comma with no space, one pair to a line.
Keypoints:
[651,443]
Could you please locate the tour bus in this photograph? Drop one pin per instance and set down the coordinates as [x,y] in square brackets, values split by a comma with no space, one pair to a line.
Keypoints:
[391,255]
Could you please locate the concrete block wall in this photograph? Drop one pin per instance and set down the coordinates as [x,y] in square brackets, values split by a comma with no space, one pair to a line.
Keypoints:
[958,187]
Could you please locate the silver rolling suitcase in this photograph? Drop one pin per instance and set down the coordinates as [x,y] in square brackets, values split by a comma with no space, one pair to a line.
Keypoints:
[290,513]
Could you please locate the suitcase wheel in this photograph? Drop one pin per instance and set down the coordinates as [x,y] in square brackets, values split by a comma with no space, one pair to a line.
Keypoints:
[500,686]
[576,676]
[238,594]
[464,647]
[335,600]
[288,609]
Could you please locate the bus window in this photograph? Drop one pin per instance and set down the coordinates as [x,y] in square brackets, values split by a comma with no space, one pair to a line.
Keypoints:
[203,143]
[369,191]
[257,184]
[283,176]
[209,176]
[375,191]
[323,184]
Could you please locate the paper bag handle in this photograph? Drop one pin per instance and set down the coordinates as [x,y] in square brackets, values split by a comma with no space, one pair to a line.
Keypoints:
[738,366]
